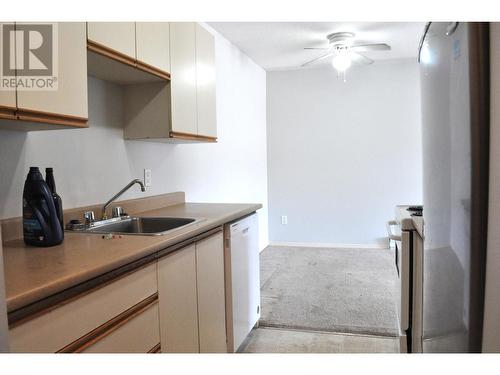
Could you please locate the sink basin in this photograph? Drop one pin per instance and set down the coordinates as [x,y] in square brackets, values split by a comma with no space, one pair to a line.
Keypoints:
[148,226]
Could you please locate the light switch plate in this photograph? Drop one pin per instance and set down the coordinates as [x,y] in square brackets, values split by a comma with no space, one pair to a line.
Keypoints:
[284,220]
[147,177]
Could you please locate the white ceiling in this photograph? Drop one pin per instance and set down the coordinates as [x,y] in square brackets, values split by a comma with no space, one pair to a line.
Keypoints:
[279,45]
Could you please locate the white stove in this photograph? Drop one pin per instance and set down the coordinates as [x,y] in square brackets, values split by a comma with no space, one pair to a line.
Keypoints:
[406,230]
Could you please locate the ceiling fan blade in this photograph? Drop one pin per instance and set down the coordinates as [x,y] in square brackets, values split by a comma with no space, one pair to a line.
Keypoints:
[358,58]
[371,47]
[317,59]
[322,48]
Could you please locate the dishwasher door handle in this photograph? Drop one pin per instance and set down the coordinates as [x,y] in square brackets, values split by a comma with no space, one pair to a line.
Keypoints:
[391,235]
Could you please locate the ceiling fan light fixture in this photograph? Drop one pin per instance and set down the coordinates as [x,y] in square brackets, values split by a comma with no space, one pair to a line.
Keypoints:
[342,60]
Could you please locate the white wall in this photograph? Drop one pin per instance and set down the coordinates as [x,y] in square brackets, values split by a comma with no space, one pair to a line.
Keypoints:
[341,155]
[93,164]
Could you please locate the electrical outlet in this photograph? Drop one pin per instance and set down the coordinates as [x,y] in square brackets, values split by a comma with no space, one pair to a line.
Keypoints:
[147,177]
[284,220]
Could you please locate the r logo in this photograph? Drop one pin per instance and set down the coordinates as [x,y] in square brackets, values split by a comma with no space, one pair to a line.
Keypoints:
[28,50]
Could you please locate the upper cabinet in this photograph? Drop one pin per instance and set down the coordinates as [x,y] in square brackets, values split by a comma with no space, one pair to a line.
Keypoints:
[205,83]
[191,113]
[68,103]
[183,86]
[116,36]
[62,102]
[153,44]
[129,52]
[167,69]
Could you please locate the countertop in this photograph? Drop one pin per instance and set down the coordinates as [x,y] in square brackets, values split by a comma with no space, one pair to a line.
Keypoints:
[33,273]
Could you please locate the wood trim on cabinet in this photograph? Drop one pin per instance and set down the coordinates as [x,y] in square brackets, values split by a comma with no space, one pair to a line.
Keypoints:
[109,52]
[124,59]
[155,349]
[153,70]
[192,137]
[43,306]
[110,326]
[7,112]
[52,118]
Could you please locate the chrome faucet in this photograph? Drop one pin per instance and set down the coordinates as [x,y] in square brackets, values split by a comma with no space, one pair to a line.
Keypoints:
[136,181]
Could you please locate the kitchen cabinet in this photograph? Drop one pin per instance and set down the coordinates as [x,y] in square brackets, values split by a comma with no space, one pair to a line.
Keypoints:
[117,37]
[192,298]
[67,105]
[211,294]
[139,334]
[153,45]
[178,302]
[7,97]
[183,70]
[8,104]
[205,83]
[185,109]
[129,52]
[86,319]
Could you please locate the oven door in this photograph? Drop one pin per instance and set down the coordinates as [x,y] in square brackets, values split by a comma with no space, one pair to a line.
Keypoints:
[402,262]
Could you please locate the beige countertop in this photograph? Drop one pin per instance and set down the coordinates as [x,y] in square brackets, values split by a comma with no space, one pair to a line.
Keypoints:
[33,273]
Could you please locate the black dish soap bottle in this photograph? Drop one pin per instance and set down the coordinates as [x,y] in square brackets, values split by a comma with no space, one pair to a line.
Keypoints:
[49,179]
[41,226]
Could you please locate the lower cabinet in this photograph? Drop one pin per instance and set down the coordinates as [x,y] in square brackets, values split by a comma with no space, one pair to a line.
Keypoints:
[192,298]
[178,302]
[100,314]
[137,334]
[211,294]
[174,305]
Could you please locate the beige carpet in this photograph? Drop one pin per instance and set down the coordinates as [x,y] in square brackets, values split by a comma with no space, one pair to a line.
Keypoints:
[334,290]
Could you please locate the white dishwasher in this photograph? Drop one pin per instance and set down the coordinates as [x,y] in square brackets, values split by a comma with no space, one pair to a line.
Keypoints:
[241,258]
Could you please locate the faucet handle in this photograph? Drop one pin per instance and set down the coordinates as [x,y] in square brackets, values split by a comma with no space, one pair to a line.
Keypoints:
[117,211]
[89,217]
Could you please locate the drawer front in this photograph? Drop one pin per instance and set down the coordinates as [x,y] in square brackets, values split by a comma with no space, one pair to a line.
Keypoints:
[61,326]
[139,334]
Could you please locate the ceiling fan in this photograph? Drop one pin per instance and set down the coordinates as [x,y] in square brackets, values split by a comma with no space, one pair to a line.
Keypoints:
[345,51]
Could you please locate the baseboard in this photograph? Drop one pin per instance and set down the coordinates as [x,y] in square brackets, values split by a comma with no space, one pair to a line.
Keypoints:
[331,245]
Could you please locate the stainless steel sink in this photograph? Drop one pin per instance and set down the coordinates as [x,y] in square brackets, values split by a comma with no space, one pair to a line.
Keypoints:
[146,226]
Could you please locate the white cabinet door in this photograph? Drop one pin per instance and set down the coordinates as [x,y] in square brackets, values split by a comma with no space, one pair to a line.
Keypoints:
[7,97]
[118,36]
[153,44]
[183,81]
[211,294]
[178,302]
[70,97]
[205,82]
